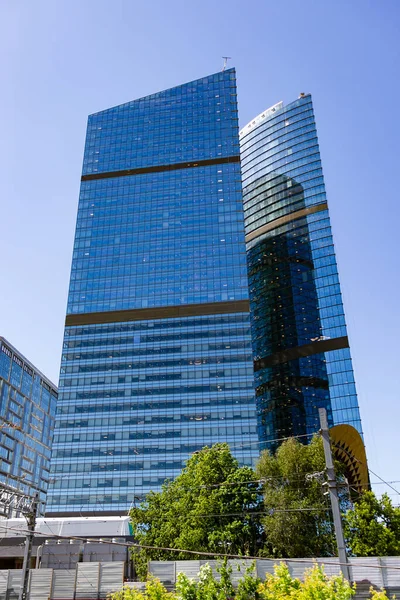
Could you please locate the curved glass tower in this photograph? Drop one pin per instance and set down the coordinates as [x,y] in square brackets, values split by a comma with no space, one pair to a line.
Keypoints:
[301,351]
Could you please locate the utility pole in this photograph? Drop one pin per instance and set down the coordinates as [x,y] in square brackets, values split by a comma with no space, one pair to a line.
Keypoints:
[333,493]
[31,523]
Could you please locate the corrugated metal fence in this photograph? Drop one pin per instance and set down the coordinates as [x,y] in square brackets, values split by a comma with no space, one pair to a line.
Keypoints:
[89,581]
[95,580]
[362,569]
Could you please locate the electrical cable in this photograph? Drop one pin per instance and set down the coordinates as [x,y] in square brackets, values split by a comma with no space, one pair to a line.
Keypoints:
[262,480]
[262,512]
[258,443]
[383,481]
[366,465]
[212,554]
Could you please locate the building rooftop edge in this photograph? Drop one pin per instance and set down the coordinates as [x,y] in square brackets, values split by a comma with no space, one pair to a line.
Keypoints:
[230,70]
[267,113]
[28,362]
[259,118]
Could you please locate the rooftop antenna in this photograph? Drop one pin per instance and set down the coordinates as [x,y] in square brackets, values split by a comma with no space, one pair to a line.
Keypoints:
[226,58]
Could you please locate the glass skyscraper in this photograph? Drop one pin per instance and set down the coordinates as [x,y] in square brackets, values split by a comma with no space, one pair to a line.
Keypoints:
[157,359]
[301,349]
[27,414]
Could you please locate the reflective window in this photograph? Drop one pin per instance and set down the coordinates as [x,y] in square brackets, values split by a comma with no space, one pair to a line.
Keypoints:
[138,397]
[294,288]
[27,410]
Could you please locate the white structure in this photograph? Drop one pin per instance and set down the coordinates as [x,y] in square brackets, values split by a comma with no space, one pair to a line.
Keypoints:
[98,527]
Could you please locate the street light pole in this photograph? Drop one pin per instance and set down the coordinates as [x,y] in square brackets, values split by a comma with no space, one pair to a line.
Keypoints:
[333,493]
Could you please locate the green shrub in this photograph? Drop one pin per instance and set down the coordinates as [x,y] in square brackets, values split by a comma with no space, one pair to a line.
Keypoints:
[317,585]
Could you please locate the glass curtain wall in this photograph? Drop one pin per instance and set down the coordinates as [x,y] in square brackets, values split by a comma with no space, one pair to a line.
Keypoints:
[157,358]
[27,415]
[300,344]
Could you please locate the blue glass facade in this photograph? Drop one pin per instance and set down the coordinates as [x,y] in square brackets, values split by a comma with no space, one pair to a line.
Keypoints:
[159,239]
[157,358]
[301,352]
[27,415]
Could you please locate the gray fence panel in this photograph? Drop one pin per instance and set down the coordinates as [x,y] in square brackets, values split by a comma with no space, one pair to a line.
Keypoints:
[111,578]
[296,569]
[366,572]
[330,569]
[239,568]
[264,567]
[135,585]
[190,568]
[87,580]
[40,581]
[97,580]
[3,584]
[363,569]
[165,570]
[63,584]
[14,583]
[391,577]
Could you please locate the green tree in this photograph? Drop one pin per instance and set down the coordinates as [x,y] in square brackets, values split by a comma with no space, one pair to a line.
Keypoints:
[208,508]
[372,527]
[297,520]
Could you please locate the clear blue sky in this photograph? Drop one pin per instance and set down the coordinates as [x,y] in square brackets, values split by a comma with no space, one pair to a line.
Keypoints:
[61,60]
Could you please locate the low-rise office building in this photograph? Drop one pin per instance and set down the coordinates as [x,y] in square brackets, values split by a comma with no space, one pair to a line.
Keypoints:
[27,412]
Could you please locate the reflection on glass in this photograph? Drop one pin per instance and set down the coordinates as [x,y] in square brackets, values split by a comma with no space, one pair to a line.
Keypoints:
[302,359]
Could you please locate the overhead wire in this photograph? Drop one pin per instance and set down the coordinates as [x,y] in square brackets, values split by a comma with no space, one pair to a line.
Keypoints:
[262,480]
[282,439]
[249,513]
[366,465]
[262,512]
[383,481]
[210,554]
[259,443]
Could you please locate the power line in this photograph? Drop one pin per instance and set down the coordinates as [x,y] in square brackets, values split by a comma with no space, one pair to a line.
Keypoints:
[366,465]
[263,480]
[383,481]
[282,439]
[211,554]
[216,485]
[250,513]
[262,512]
[375,483]
[258,443]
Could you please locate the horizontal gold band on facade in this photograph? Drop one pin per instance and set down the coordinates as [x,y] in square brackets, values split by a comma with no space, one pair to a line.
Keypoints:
[160,312]
[286,219]
[160,168]
[316,347]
